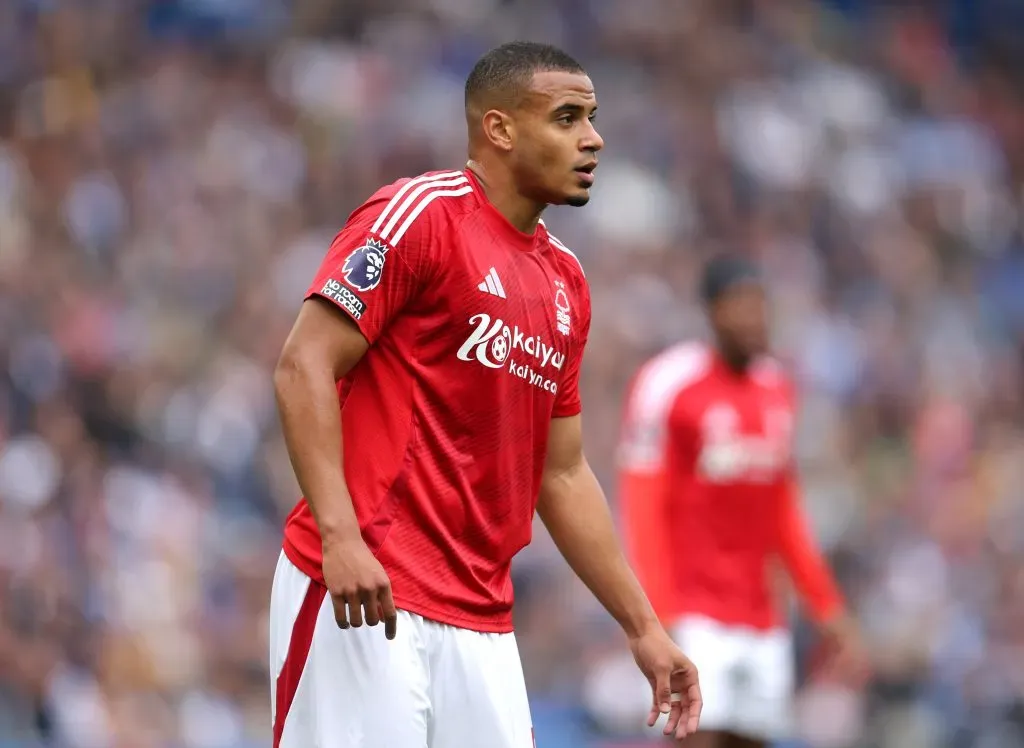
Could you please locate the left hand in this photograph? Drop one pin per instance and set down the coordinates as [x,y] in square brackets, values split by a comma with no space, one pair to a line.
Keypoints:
[675,689]
[847,655]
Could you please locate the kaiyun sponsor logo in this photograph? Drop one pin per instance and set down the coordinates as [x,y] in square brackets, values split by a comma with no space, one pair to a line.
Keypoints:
[498,346]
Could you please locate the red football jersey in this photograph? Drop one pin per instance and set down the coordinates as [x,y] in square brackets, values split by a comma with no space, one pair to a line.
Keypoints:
[476,334]
[708,490]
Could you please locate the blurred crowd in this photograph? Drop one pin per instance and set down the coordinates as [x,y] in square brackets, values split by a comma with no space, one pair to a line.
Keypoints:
[172,171]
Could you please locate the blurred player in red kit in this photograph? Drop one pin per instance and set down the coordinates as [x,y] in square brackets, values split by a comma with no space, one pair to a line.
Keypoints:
[449,325]
[709,498]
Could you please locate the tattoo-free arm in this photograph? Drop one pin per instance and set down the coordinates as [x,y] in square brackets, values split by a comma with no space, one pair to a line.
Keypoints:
[575,512]
[321,348]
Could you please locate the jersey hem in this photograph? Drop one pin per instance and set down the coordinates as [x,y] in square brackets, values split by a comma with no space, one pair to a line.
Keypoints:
[300,562]
[500,625]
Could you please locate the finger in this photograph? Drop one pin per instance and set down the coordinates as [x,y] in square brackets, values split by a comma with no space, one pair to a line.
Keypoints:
[340,613]
[682,720]
[355,611]
[387,604]
[695,703]
[674,724]
[662,690]
[372,609]
[686,703]
[652,717]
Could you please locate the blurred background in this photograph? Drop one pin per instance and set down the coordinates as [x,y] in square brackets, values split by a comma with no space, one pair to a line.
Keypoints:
[172,171]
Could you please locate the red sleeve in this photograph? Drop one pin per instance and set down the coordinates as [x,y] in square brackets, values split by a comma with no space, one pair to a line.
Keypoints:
[804,561]
[644,510]
[567,400]
[379,261]
[644,498]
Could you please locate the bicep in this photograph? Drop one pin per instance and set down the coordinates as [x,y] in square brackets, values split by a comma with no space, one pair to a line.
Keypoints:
[323,337]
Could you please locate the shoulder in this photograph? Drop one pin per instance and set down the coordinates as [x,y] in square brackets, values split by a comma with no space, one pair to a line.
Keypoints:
[769,373]
[663,379]
[414,207]
[651,405]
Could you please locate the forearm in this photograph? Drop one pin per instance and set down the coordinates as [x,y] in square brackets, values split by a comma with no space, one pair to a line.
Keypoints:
[307,400]
[573,508]
[806,565]
[645,529]
[813,580]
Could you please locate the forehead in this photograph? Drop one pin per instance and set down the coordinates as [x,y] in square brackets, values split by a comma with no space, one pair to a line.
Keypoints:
[553,88]
[742,292]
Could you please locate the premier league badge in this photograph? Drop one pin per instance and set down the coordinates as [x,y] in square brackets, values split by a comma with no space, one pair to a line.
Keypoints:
[363,268]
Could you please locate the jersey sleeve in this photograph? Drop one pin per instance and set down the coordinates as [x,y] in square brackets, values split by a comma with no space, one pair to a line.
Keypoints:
[380,261]
[802,558]
[644,493]
[567,400]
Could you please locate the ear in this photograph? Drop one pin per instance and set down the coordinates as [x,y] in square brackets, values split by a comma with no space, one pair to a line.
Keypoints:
[499,129]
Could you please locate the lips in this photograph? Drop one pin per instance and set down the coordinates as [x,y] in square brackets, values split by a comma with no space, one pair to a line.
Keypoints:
[586,172]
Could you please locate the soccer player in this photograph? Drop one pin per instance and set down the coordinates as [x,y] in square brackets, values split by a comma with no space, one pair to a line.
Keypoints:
[709,498]
[450,326]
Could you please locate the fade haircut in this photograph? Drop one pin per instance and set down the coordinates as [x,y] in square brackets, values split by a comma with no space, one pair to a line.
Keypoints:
[500,78]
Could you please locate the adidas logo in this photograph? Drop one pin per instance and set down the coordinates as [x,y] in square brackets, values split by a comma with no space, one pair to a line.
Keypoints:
[492,284]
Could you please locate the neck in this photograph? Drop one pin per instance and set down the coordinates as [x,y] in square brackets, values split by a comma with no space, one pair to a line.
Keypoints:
[501,192]
[735,361]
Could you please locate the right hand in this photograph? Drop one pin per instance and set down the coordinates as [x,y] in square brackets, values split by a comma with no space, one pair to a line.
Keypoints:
[359,587]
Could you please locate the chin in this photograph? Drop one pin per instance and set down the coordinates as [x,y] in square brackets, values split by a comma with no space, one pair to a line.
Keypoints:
[578,200]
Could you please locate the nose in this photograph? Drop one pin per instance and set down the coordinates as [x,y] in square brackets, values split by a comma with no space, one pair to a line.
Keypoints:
[592,140]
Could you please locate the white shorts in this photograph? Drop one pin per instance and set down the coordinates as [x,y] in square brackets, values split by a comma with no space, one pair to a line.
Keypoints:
[746,676]
[433,686]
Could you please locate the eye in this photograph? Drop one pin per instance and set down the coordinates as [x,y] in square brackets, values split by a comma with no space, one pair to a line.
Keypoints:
[565,119]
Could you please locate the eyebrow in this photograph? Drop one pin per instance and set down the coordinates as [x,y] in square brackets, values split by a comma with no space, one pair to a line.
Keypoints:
[569,108]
